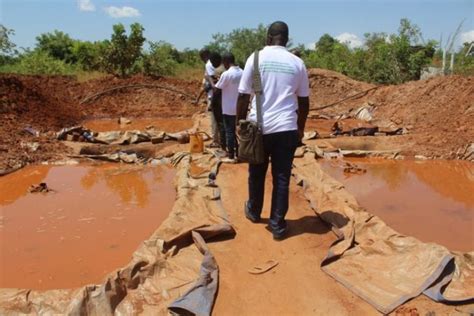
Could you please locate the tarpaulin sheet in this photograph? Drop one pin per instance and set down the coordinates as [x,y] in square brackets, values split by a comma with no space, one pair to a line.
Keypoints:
[165,271]
[380,265]
[128,137]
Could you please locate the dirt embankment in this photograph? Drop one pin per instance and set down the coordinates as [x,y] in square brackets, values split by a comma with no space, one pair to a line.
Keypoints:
[142,97]
[49,103]
[438,113]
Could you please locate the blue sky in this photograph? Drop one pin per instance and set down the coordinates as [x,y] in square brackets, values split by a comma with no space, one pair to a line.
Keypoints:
[190,23]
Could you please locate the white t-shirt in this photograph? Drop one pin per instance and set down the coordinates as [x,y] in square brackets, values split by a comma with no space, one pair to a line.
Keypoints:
[229,84]
[284,79]
[209,70]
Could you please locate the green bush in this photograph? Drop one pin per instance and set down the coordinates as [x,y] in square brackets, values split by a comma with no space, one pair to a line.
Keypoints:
[464,60]
[160,60]
[89,55]
[38,63]
[241,42]
[122,51]
[383,59]
[7,47]
[58,45]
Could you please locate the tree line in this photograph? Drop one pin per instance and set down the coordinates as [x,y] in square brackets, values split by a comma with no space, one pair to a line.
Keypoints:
[384,58]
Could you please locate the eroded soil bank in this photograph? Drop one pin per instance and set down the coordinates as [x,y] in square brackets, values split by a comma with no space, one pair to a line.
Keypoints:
[297,285]
[436,114]
[430,200]
[91,222]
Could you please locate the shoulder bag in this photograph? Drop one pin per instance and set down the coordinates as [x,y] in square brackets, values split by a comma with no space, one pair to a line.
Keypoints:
[251,133]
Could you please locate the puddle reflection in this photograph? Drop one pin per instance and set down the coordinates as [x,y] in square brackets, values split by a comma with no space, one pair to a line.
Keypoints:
[431,200]
[130,184]
[90,225]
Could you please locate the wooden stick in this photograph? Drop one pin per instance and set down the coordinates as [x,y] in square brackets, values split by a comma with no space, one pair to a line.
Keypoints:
[135,86]
[357,95]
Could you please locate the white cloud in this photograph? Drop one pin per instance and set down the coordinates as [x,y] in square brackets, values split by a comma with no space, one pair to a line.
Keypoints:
[122,12]
[85,5]
[352,40]
[467,37]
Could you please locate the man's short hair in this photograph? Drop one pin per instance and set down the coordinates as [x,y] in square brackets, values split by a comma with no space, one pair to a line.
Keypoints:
[278,28]
[229,58]
[215,59]
[204,52]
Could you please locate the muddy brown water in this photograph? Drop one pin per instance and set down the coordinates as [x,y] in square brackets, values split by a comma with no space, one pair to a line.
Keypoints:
[93,222]
[167,125]
[430,200]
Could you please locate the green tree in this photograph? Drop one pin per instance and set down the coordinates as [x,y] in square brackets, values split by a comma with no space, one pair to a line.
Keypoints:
[325,44]
[384,58]
[57,44]
[88,54]
[7,47]
[160,60]
[399,57]
[241,42]
[464,59]
[189,57]
[329,54]
[123,51]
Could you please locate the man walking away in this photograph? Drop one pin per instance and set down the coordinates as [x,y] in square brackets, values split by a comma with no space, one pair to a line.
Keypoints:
[285,105]
[212,62]
[228,86]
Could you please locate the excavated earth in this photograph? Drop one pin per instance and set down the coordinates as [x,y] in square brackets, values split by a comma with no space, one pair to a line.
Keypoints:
[48,104]
[437,113]
[437,116]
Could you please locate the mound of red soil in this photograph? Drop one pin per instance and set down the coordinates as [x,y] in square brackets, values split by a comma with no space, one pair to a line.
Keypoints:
[438,112]
[49,103]
[42,102]
[329,86]
[140,101]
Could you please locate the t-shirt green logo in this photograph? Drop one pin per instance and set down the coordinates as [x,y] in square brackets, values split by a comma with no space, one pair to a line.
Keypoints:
[277,67]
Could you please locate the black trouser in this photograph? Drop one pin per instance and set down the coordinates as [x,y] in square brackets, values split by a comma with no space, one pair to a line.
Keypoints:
[280,148]
[216,107]
[231,140]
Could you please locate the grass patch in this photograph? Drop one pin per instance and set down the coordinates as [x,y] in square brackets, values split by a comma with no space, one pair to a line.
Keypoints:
[189,72]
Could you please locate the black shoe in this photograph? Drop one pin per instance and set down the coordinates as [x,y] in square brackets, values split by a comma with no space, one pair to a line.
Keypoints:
[280,236]
[249,216]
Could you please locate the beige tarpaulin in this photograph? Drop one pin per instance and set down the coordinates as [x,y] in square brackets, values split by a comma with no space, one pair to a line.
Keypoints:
[174,270]
[165,271]
[79,133]
[380,265]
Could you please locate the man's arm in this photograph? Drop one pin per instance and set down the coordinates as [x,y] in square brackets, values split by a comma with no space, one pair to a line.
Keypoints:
[242,107]
[303,110]
[216,104]
[210,79]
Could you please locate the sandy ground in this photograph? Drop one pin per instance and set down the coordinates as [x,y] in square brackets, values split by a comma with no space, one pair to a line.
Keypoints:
[297,285]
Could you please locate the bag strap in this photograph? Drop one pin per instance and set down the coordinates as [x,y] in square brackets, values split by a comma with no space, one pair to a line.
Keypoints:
[257,88]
